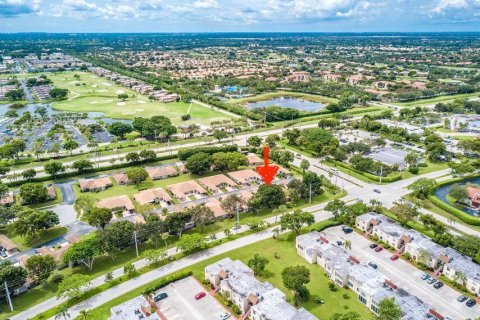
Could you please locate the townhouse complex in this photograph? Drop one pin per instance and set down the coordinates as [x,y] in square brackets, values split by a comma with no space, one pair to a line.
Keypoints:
[136,85]
[256,300]
[446,261]
[370,286]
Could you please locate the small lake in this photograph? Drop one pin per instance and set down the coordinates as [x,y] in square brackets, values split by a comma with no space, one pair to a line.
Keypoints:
[441,193]
[288,102]
[50,111]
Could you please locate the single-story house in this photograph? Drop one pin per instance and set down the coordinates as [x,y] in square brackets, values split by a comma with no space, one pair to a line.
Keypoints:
[182,190]
[245,177]
[254,160]
[7,245]
[51,193]
[154,195]
[115,203]
[121,178]
[96,184]
[58,250]
[8,200]
[217,182]
[215,205]
[157,173]
[473,197]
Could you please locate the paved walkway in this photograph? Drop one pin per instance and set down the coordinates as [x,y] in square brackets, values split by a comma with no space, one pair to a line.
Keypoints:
[148,277]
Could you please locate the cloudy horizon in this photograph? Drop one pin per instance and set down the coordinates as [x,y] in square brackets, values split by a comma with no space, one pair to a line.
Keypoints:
[77,16]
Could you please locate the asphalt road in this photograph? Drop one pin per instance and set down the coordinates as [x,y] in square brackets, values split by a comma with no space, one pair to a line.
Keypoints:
[407,277]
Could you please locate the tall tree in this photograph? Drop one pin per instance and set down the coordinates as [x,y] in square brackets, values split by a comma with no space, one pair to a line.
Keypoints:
[84,252]
[296,221]
[71,287]
[40,266]
[295,278]
[258,263]
[388,309]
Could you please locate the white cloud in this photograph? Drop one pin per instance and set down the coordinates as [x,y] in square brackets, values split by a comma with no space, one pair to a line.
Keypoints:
[205,4]
[442,5]
[14,8]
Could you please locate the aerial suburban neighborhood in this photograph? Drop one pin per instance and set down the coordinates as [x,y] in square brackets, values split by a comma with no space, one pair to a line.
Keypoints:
[214,160]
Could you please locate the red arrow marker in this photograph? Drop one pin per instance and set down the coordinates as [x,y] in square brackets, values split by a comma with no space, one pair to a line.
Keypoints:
[267,171]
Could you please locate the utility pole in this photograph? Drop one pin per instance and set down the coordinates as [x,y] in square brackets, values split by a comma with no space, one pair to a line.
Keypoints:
[136,243]
[310,194]
[8,295]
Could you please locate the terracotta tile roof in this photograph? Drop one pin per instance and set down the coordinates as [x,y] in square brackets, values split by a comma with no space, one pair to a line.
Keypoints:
[7,200]
[473,194]
[51,193]
[244,176]
[180,190]
[116,202]
[121,178]
[7,243]
[159,172]
[216,182]
[97,183]
[216,207]
[253,159]
[252,298]
[152,195]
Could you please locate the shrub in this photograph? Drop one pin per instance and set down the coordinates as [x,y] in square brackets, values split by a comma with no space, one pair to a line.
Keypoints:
[165,281]
[346,296]
[184,154]
[236,309]
[186,117]
[332,286]
[57,277]
[413,170]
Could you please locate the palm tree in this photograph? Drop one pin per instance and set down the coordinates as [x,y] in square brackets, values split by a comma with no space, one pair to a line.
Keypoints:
[62,313]
[84,314]
[375,205]
[347,245]
[460,278]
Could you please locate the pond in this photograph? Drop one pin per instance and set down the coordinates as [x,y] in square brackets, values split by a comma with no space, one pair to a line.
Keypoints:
[51,111]
[288,102]
[442,192]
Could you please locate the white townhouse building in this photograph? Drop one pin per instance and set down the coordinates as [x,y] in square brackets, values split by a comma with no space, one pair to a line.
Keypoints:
[462,269]
[256,300]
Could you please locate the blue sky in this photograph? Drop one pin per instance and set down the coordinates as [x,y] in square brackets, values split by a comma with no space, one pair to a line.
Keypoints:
[238,15]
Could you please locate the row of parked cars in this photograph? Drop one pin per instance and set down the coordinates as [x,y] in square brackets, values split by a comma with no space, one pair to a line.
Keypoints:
[438,284]
[378,248]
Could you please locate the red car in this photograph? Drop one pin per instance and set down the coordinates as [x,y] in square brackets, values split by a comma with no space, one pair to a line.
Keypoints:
[378,249]
[200,295]
[393,258]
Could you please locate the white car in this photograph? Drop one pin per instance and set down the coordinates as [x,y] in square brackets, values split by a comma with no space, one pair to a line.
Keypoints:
[224,316]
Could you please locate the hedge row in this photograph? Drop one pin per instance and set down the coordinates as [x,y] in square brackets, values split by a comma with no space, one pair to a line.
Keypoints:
[165,281]
[454,211]
[100,169]
[184,154]
[369,175]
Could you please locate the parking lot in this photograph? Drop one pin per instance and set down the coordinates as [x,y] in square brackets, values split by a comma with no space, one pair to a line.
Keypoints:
[406,276]
[389,156]
[182,305]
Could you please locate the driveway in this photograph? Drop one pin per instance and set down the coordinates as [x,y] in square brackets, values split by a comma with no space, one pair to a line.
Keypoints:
[407,277]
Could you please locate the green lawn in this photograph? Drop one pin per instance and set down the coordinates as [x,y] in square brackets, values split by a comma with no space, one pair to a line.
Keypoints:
[444,99]
[91,93]
[271,95]
[104,264]
[284,248]
[23,244]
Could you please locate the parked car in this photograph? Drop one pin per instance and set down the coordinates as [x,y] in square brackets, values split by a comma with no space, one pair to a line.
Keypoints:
[431,280]
[347,230]
[470,303]
[200,295]
[393,258]
[339,242]
[377,190]
[378,249]
[438,285]
[372,264]
[160,297]
[462,299]
[373,246]
[425,276]
[224,316]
